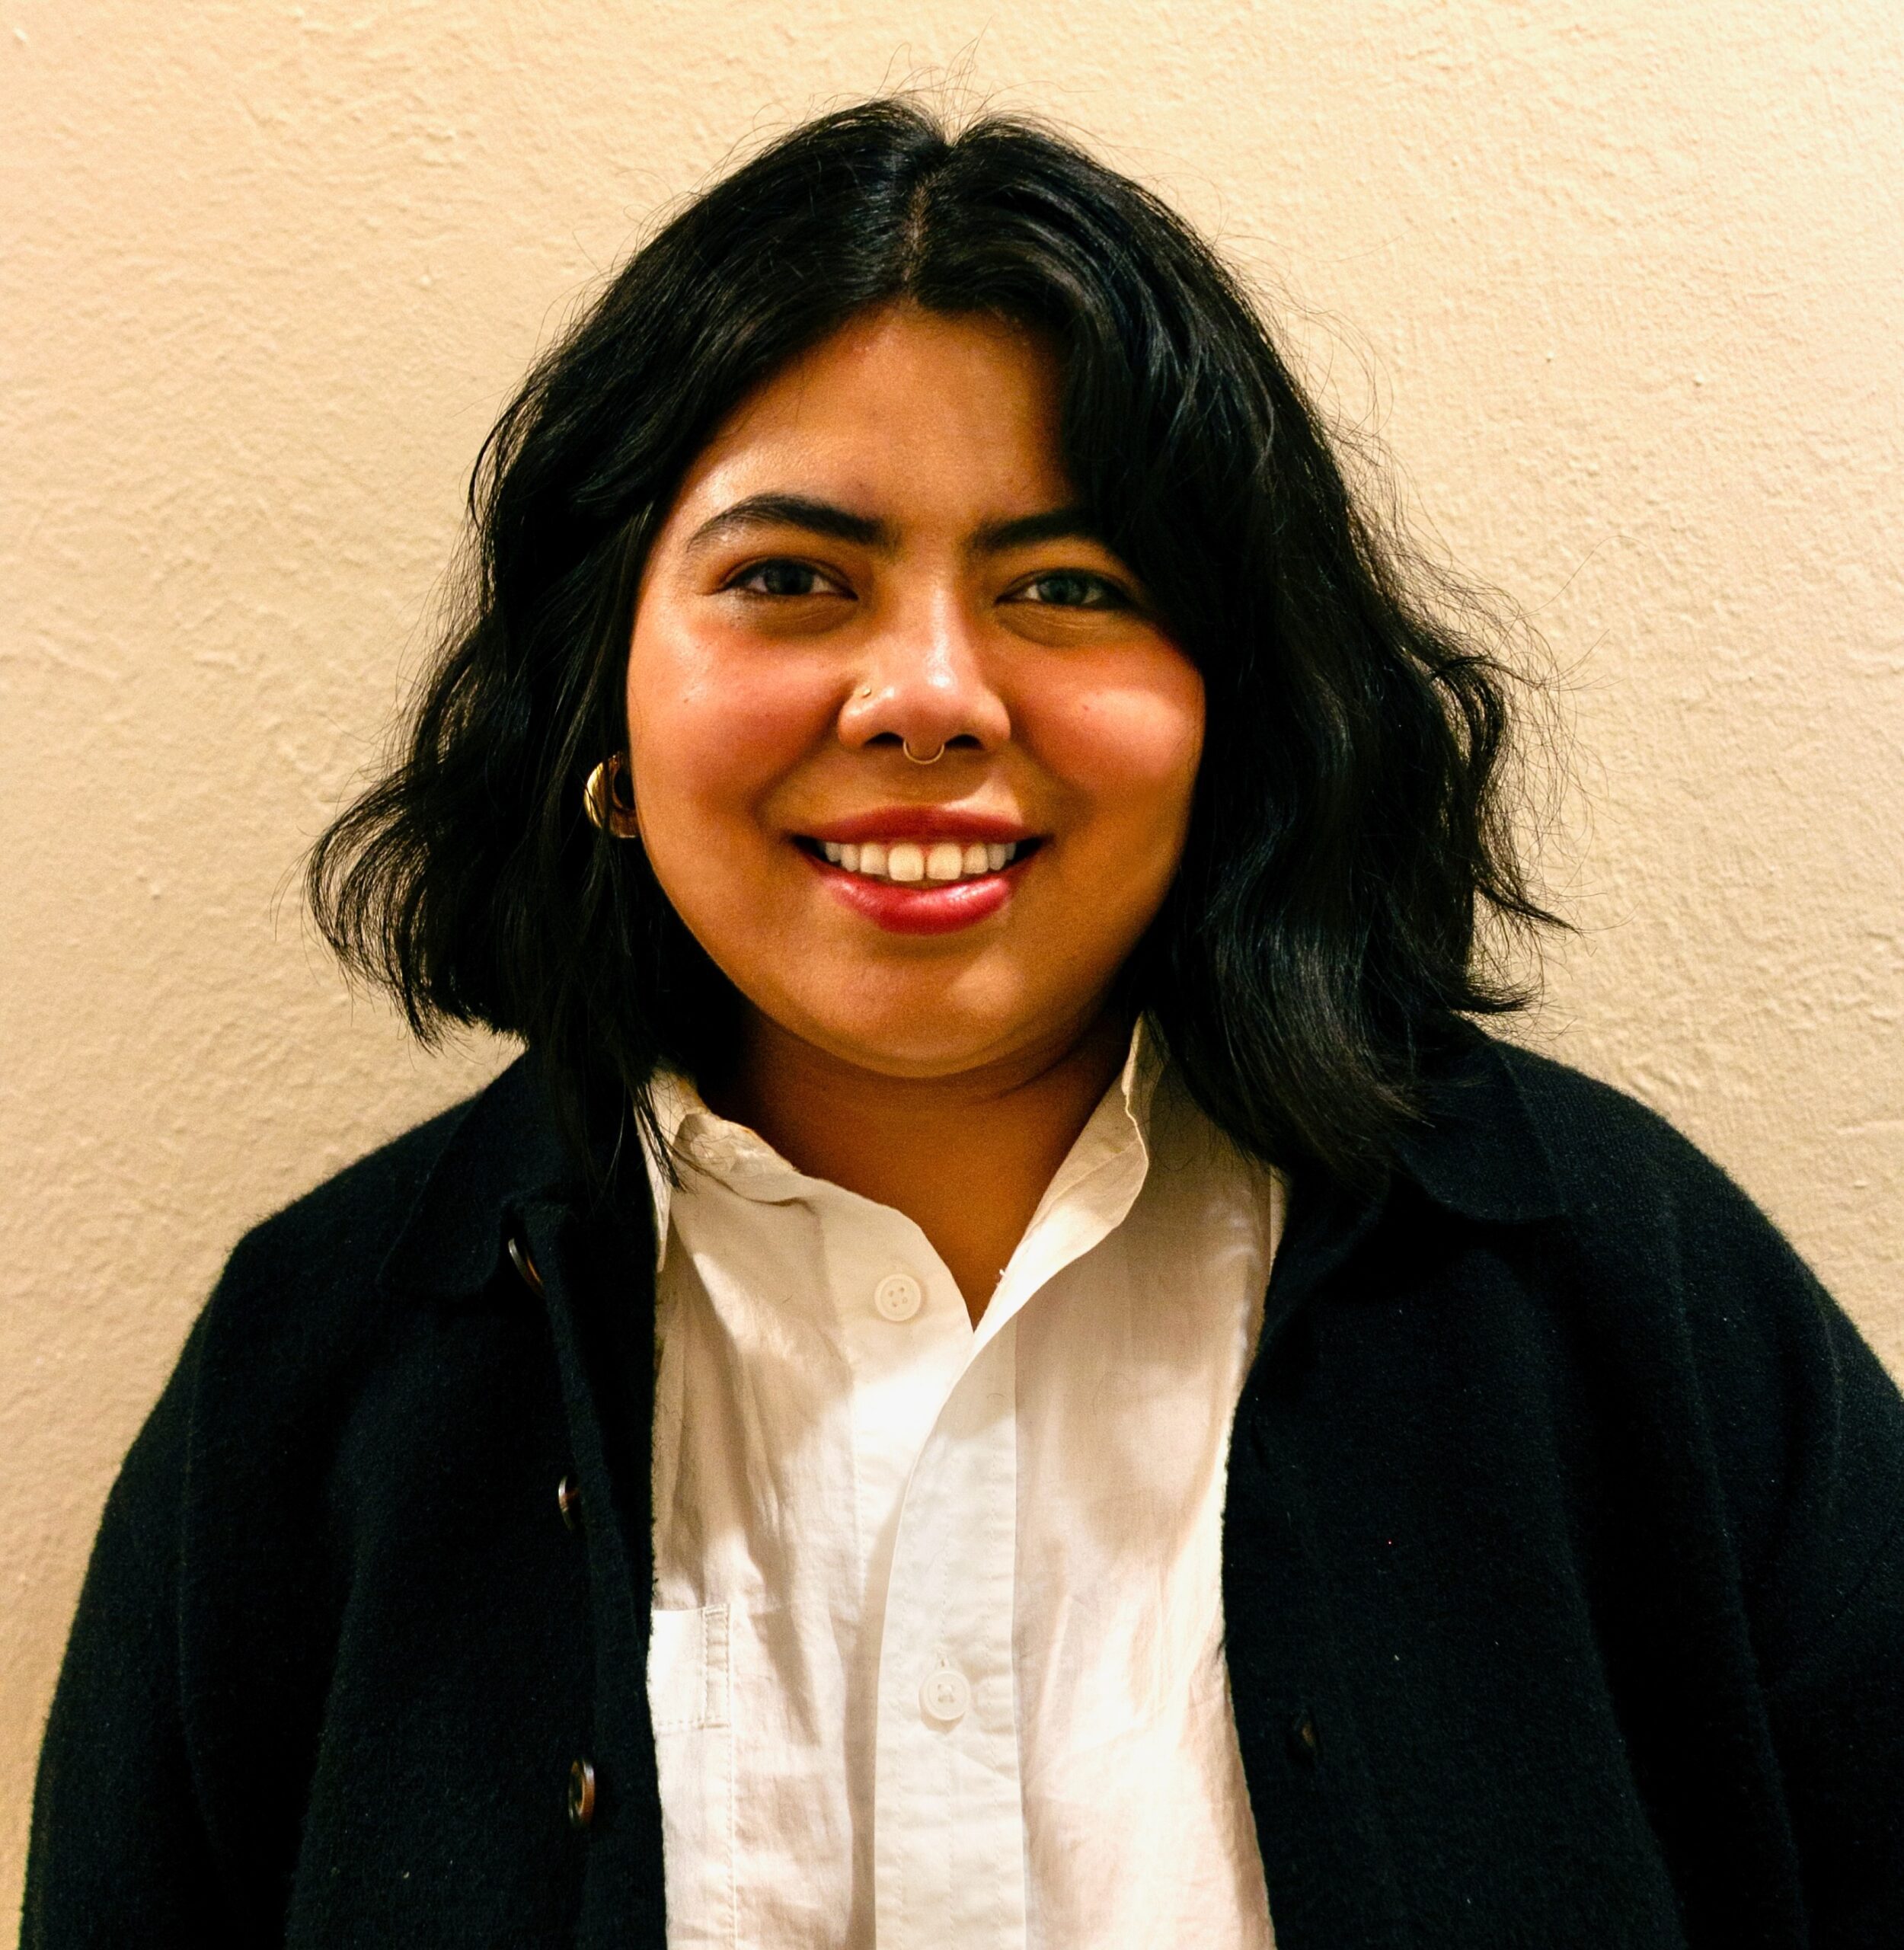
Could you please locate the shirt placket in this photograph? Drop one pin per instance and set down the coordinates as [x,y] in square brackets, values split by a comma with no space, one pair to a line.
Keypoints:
[948,1832]
[907,1337]
[948,1829]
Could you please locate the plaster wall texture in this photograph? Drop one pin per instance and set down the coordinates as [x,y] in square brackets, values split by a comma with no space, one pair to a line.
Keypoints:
[1618,288]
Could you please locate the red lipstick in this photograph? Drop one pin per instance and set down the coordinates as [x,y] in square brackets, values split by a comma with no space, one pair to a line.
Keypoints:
[921,907]
[920,822]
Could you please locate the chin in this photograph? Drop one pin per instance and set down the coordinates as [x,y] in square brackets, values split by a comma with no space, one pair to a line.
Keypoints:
[906,1041]
[913,1056]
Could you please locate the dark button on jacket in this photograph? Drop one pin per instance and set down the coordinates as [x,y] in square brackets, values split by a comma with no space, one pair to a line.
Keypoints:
[1562,1567]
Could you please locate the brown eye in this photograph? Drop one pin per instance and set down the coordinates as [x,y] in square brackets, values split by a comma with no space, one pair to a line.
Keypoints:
[1072,589]
[784,576]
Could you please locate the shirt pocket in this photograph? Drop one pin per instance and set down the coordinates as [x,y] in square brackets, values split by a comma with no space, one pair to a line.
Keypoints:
[690,1699]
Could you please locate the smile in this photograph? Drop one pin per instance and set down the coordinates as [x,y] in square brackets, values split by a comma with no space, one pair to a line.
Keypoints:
[930,882]
[910,863]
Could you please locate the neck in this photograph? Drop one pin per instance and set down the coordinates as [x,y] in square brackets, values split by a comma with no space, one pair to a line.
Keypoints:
[966,1157]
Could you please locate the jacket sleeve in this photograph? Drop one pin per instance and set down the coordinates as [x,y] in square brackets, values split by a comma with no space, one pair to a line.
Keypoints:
[118,1853]
[1807,1431]
[1835,1690]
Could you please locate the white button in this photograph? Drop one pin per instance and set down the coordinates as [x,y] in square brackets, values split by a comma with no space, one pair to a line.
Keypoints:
[945,1695]
[898,1297]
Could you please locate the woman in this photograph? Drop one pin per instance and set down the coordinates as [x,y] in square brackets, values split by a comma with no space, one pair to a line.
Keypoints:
[839,1444]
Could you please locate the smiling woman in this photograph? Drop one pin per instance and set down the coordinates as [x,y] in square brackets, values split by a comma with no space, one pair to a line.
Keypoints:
[946,298]
[876,557]
[1008,1368]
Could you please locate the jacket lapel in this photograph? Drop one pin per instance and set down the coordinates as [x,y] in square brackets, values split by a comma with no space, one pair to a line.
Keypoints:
[1325,1859]
[596,1281]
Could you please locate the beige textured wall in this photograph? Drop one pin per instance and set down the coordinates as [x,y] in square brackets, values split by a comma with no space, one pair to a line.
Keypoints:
[1619,286]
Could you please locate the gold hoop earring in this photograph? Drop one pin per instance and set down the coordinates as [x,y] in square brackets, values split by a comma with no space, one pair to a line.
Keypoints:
[609,806]
[906,746]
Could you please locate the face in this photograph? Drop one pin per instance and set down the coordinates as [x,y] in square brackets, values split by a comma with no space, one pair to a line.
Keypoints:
[879,554]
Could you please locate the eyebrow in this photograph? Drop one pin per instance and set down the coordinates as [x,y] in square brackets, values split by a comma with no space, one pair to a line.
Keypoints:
[1070,524]
[827,518]
[793,511]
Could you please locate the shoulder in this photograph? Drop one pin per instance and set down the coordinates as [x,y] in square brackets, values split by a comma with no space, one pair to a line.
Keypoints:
[1512,1136]
[1675,1271]
[1663,1239]
[1620,1170]
[339,1320]
[421,1214]
[295,1312]
[314,1299]
[338,1234]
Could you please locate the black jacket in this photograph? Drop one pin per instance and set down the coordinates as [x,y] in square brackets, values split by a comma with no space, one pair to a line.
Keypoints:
[1562,1572]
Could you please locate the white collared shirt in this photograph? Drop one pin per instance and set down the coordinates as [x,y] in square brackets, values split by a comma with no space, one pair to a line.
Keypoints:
[937,1652]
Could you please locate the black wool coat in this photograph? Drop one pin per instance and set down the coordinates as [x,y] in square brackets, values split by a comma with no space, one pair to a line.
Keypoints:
[1562,1567]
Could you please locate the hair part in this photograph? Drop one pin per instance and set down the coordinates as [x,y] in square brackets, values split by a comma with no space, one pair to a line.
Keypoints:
[1351,828]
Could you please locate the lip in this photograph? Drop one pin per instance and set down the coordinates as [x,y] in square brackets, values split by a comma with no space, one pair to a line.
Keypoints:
[920,908]
[920,822]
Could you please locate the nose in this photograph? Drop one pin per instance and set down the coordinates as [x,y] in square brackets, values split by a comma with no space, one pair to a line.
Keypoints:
[923,686]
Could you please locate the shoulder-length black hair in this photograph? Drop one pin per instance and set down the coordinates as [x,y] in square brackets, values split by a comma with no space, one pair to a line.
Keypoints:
[1350,828]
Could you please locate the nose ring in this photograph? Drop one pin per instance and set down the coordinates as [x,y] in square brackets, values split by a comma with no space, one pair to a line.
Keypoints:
[931,758]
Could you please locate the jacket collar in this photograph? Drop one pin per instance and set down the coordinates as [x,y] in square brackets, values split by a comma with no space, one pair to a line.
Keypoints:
[1479,1154]
[501,1150]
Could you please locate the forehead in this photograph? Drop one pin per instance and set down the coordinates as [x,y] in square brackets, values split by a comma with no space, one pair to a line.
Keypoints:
[902,407]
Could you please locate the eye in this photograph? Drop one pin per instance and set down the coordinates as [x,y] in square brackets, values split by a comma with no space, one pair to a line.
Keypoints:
[781,575]
[1071,589]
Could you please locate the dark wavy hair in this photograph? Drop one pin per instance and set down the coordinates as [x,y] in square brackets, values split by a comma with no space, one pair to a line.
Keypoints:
[1351,830]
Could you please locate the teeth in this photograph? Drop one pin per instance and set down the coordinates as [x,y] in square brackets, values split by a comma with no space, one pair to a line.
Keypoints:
[907,863]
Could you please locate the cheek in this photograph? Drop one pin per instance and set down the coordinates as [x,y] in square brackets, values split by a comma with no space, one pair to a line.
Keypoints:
[710,736]
[1131,748]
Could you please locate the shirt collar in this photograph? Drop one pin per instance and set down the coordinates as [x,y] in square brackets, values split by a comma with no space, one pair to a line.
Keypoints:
[1479,1153]
[698,1139]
